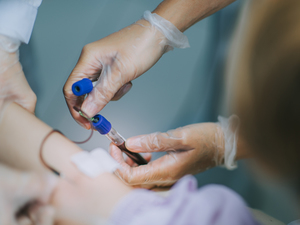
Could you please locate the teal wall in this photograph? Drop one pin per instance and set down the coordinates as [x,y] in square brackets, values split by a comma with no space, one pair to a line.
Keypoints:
[184,87]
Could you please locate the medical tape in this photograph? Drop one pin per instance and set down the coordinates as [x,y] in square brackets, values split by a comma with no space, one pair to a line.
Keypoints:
[95,162]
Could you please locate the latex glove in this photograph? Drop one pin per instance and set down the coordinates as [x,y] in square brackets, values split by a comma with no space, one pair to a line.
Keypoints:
[120,58]
[190,150]
[13,84]
[23,197]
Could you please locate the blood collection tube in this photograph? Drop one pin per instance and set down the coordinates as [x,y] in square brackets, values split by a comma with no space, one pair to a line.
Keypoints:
[103,126]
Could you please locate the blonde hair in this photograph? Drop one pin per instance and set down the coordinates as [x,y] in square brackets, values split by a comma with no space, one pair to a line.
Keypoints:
[267,83]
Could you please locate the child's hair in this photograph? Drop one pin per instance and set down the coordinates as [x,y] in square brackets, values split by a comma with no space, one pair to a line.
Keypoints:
[267,96]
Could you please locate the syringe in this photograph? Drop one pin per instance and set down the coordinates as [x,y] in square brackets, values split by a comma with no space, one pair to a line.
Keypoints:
[102,125]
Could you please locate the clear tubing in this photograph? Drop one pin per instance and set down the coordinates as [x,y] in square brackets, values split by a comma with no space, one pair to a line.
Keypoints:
[115,138]
[92,130]
[119,141]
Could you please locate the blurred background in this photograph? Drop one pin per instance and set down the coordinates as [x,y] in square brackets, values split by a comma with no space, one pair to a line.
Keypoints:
[184,87]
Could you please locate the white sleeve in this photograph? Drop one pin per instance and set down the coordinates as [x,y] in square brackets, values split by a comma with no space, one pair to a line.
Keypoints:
[17,18]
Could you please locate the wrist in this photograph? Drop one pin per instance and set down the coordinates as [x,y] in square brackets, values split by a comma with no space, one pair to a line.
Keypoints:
[159,36]
[173,16]
[184,13]
[175,38]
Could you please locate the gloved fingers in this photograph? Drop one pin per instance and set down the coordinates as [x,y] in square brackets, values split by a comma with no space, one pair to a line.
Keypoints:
[122,91]
[87,67]
[120,57]
[76,102]
[159,142]
[155,173]
[125,55]
[130,162]
[111,80]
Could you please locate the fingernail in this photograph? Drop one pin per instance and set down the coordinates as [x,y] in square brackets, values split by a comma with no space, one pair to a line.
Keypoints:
[124,89]
[134,143]
[87,126]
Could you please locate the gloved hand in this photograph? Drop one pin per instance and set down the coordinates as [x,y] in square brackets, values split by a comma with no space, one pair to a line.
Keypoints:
[120,58]
[190,150]
[13,84]
[24,197]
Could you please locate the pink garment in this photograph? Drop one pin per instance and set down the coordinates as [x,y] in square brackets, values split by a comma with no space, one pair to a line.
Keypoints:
[210,205]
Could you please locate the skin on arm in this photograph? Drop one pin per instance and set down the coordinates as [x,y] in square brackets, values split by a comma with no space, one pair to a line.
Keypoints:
[185,13]
[21,134]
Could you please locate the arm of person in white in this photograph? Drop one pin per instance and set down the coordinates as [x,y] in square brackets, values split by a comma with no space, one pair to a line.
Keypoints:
[17,18]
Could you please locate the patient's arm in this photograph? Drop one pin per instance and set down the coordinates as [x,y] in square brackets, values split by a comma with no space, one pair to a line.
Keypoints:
[81,198]
[21,134]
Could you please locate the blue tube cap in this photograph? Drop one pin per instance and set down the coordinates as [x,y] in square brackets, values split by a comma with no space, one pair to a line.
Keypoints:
[101,124]
[82,87]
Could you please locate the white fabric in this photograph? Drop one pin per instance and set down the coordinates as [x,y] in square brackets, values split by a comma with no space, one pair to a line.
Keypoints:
[230,128]
[95,162]
[175,37]
[17,18]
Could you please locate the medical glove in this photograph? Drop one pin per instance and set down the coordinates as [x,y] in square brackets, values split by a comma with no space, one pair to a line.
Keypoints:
[13,84]
[24,197]
[230,127]
[118,59]
[189,150]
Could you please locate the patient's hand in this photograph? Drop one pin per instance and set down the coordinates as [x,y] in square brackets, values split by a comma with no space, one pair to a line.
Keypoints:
[84,200]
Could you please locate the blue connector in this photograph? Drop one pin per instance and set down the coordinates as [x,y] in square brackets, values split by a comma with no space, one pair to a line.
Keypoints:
[82,87]
[102,125]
